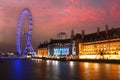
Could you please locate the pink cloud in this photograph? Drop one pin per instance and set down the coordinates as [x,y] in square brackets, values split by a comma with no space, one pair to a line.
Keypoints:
[52,16]
[115,10]
[86,14]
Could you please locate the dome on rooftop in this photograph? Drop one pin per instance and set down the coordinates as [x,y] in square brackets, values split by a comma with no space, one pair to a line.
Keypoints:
[61,35]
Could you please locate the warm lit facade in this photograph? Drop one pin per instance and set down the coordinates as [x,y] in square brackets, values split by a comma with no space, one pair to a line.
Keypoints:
[104,44]
[42,50]
[98,47]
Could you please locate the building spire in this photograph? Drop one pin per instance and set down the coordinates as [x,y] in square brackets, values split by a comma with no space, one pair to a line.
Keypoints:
[72,33]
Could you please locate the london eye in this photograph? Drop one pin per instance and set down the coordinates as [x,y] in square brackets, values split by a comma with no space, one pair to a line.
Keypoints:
[26,31]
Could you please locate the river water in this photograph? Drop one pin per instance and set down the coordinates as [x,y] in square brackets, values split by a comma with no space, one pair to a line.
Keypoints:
[36,69]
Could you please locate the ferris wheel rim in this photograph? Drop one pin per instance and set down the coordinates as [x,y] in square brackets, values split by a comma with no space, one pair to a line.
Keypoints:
[28,40]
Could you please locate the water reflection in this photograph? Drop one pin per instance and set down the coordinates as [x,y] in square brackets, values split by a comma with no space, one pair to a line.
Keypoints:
[86,64]
[71,64]
[36,69]
[96,65]
[16,70]
[99,71]
[55,63]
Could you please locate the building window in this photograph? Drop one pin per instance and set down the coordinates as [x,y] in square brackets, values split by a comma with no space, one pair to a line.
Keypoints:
[104,45]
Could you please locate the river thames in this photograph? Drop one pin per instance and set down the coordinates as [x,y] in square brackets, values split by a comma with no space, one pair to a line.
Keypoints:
[36,69]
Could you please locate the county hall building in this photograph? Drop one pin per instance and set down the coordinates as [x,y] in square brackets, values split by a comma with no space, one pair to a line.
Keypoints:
[99,45]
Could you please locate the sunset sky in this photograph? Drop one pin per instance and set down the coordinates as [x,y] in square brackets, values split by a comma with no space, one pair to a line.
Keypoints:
[53,16]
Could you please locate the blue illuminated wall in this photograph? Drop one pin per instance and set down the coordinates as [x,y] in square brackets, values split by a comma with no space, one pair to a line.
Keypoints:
[48,51]
[73,49]
[61,51]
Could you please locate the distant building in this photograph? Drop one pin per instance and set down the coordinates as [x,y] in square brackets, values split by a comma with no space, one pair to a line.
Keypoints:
[61,47]
[101,44]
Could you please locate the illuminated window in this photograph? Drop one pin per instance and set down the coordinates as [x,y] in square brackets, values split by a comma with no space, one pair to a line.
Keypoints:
[114,47]
[114,44]
[111,48]
[104,48]
[104,45]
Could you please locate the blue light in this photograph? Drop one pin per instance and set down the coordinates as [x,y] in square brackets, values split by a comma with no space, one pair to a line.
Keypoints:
[61,51]
[73,49]
[17,69]
[48,51]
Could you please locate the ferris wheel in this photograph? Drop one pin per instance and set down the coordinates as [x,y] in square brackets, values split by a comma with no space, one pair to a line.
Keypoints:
[27,34]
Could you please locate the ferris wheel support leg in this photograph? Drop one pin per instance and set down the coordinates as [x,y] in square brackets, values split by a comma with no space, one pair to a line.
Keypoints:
[31,48]
[28,49]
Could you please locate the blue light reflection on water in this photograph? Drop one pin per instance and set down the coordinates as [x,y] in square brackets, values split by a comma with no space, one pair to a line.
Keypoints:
[16,74]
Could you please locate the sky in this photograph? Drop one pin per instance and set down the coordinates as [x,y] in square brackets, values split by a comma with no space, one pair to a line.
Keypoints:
[53,16]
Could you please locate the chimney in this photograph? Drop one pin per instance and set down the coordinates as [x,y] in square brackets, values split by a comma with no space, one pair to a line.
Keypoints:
[98,31]
[106,29]
[83,34]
